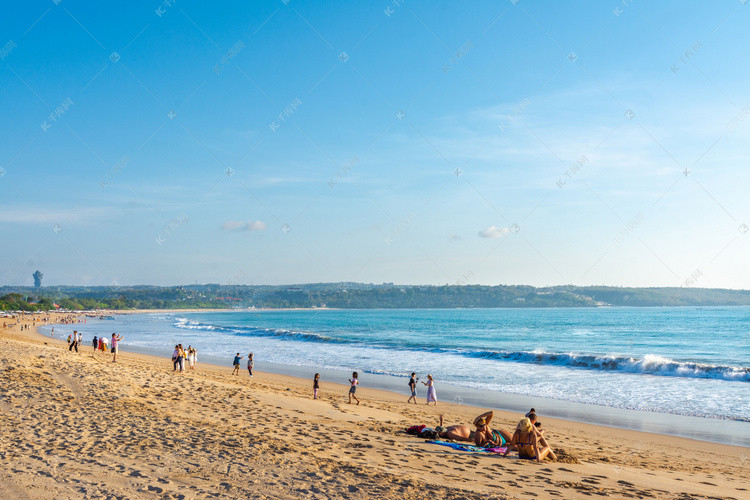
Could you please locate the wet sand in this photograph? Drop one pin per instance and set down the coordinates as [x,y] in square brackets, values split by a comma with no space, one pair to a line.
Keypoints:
[79,426]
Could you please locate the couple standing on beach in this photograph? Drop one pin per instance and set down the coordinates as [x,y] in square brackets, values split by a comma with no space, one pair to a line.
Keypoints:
[431,394]
[236,363]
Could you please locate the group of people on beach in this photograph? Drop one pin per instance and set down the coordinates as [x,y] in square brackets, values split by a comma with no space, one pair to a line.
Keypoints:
[527,440]
[179,355]
[75,340]
[354,383]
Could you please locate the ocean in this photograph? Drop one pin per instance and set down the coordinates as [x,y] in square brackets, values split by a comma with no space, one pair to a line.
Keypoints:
[687,364]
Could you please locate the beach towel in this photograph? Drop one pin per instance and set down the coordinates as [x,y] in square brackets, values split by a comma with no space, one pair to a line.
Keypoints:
[469,447]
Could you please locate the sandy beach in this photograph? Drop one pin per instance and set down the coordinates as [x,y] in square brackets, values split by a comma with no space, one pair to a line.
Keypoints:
[79,426]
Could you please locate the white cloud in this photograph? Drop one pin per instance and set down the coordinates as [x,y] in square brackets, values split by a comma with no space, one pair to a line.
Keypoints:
[255,226]
[233,225]
[494,232]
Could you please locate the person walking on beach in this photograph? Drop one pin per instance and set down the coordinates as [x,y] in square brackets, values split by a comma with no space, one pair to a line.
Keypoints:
[413,387]
[79,341]
[250,364]
[354,381]
[115,346]
[316,385]
[236,362]
[73,341]
[431,396]
[95,342]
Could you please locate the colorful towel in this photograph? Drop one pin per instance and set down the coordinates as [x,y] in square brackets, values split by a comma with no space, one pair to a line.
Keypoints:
[468,447]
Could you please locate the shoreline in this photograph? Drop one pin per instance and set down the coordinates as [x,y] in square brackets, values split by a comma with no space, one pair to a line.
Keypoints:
[701,429]
[716,430]
[266,436]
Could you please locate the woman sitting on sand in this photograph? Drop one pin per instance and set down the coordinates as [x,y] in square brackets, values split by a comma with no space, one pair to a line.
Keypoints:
[486,437]
[529,444]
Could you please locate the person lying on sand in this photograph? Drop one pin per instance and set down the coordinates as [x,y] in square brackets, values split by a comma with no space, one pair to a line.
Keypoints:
[458,432]
[484,436]
[529,444]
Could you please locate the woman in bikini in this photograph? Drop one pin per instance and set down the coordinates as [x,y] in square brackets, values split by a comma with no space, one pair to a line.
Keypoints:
[529,444]
[486,437]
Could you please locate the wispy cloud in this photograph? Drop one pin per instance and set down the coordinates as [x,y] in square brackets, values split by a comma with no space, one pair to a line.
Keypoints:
[494,232]
[232,225]
[41,215]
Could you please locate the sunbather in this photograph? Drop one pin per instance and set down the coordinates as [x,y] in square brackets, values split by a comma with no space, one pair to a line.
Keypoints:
[458,432]
[484,436]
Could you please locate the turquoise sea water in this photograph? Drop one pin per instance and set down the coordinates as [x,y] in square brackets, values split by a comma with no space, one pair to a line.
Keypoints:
[683,361]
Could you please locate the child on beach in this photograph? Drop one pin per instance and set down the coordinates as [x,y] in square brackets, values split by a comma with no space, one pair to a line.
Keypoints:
[431,396]
[250,364]
[316,385]
[236,362]
[354,381]
[413,387]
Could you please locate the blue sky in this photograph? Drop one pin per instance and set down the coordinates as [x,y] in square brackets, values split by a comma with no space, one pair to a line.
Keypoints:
[412,142]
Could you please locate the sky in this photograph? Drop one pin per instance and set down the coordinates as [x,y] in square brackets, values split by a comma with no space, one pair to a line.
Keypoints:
[271,142]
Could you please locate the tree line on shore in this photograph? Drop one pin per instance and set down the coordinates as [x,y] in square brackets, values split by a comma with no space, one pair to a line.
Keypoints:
[356,296]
